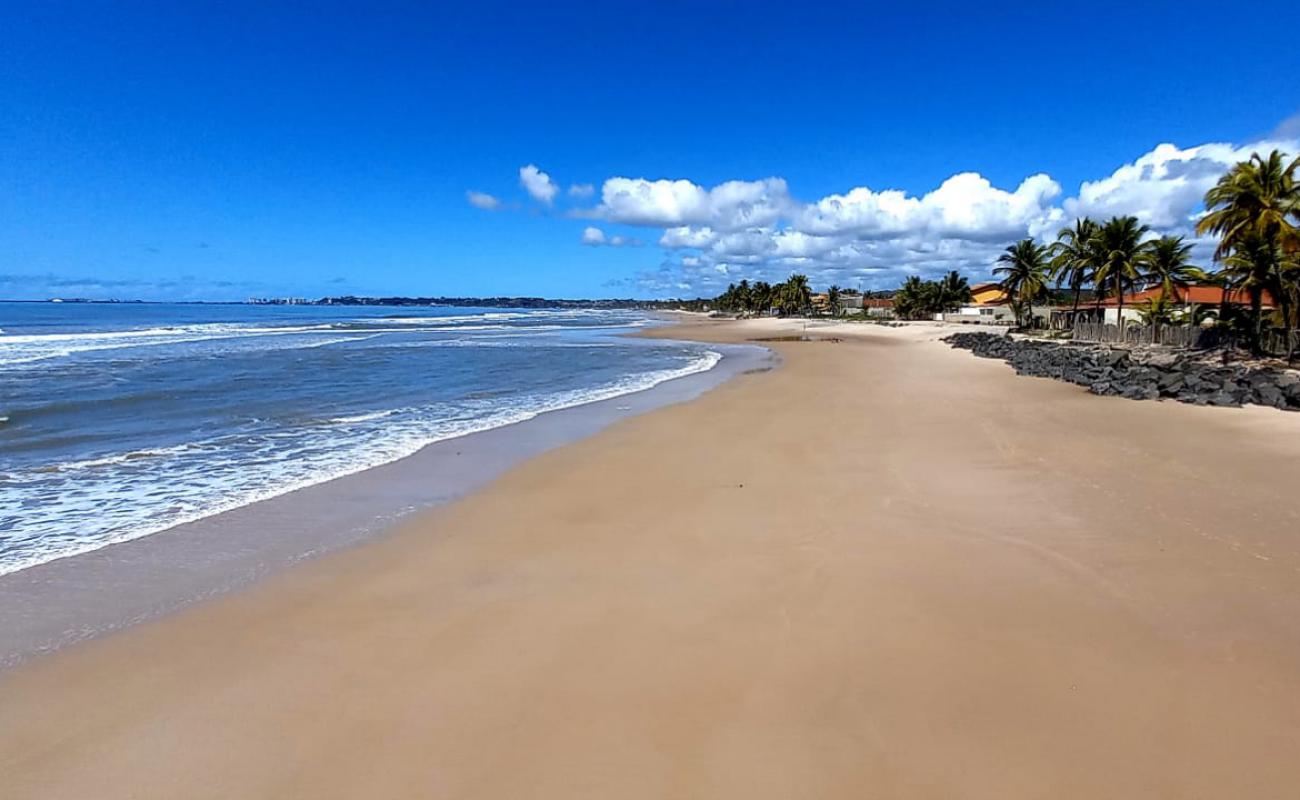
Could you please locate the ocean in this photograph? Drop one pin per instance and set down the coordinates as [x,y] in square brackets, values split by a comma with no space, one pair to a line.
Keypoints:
[122,420]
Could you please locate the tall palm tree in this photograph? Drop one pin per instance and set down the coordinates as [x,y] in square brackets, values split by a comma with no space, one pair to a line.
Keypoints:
[952,290]
[1256,265]
[1024,274]
[833,300]
[1255,210]
[1259,197]
[760,297]
[743,295]
[1167,263]
[1120,253]
[795,294]
[1074,257]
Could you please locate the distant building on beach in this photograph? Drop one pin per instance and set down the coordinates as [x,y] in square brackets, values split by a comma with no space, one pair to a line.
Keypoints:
[1184,299]
[878,307]
[988,306]
[987,294]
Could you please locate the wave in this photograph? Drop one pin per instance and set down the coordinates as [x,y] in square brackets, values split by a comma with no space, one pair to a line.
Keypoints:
[276,466]
[374,415]
[22,349]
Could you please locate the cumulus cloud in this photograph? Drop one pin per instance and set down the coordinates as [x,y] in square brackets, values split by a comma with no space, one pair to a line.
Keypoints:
[664,203]
[595,237]
[482,200]
[538,184]
[1164,187]
[965,205]
[875,236]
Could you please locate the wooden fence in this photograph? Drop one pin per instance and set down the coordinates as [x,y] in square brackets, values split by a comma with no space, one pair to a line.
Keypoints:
[1187,336]
[1273,342]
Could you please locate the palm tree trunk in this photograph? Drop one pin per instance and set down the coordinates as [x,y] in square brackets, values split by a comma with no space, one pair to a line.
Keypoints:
[1284,304]
[1256,308]
[1119,313]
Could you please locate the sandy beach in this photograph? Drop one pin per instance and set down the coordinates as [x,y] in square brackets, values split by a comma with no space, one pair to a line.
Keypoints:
[884,569]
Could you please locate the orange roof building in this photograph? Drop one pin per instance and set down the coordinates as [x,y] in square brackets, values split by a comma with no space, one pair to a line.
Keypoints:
[1187,294]
[987,294]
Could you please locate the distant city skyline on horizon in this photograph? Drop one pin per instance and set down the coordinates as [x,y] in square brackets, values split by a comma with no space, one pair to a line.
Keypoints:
[585,152]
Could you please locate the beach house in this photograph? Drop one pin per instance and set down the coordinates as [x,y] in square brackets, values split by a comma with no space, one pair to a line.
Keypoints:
[988,306]
[878,307]
[1184,299]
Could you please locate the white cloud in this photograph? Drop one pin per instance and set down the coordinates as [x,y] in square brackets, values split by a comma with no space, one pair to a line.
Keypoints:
[1164,187]
[538,184]
[595,237]
[875,237]
[582,190]
[664,203]
[686,236]
[966,204]
[482,200]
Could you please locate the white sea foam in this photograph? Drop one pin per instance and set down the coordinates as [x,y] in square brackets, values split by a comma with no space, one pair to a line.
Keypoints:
[190,481]
[25,349]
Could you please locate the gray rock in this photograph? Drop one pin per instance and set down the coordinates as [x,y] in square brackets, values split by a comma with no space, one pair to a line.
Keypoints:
[1142,374]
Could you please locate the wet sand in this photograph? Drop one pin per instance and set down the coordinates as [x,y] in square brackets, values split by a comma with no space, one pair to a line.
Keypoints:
[885,569]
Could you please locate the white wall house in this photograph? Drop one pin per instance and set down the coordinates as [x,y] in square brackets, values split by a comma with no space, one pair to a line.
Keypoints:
[979,315]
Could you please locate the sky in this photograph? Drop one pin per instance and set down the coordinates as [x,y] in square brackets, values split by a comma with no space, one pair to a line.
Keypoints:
[204,151]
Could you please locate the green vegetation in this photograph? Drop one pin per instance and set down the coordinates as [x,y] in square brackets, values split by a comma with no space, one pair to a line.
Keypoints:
[1024,281]
[792,297]
[1254,209]
[833,300]
[918,299]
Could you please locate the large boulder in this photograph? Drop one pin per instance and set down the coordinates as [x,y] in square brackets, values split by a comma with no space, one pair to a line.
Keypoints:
[1141,374]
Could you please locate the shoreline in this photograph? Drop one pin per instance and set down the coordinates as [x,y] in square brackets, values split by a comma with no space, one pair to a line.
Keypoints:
[56,603]
[886,568]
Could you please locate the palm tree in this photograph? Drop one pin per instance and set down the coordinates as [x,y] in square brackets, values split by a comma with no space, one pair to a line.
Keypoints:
[916,299]
[833,300]
[1167,263]
[744,295]
[1255,198]
[1255,210]
[1157,310]
[794,296]
[951,292]
[1074,257]
[760,297]
[1024,274]
[1255,266]
[1120,254]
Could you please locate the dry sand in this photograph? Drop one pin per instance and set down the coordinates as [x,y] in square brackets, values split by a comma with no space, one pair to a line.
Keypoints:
[886,569]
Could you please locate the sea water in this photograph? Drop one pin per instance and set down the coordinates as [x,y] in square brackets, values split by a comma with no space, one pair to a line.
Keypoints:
[122,420]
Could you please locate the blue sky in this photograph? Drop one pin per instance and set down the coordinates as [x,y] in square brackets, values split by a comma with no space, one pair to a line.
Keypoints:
[172,151]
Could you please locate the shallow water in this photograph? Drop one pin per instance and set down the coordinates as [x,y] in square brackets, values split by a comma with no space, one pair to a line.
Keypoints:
[119,421]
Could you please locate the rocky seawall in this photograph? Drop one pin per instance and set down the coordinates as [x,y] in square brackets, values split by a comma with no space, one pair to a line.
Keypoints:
[1141,374]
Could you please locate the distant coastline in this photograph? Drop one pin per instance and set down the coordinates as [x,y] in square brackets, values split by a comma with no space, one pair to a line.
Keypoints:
[351,300]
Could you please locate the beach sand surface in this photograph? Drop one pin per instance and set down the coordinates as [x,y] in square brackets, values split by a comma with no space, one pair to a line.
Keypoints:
[884,569]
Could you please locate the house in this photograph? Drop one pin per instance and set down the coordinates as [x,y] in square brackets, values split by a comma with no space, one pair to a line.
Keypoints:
[988,306]
[850,301]
[987,294]
[1184,299]
[980,315]
[878,307]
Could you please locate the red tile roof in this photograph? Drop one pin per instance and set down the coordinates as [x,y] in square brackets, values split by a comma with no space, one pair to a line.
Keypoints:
[1198,295]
